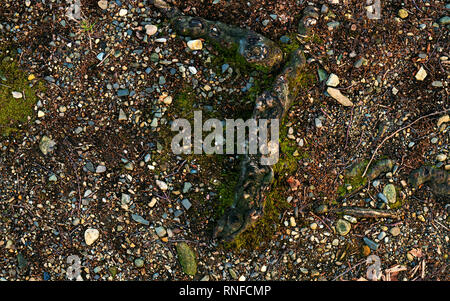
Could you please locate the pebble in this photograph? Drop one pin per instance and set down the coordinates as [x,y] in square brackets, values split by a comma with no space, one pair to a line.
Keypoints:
[160,231]
[292,221]
[342,99]
[162,185]
[441,157]
[123,12]
[186,187]
[383,198]
[333,80]
[103,4]
[343,227]
[16,95]
[193,70]
[402,13]
[123,92]
[122,115]
[91,235]
[395,231]
[152,202]
[46,145]
[318,122]
[138,262]
[444,20]
[139,219]
[421,74]
[313,226]
[150,29]
[186,204]
[100,169]
[390,193]
[195,44]
[371,244]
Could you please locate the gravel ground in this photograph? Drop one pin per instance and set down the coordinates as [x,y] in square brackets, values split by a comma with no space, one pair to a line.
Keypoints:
[88,172]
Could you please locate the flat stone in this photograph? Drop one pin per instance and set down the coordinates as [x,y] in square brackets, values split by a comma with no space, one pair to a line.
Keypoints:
[342,99]
[395,231]
[46,145]
[122,115]
[195,44]
[402,13]
[16,94]
[139,219]
[100,169]
[186,204]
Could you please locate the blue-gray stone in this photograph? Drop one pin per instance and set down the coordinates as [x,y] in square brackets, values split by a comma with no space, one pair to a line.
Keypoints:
[186,204]
[371,244]
[140,219]
[382,197]
[123,92]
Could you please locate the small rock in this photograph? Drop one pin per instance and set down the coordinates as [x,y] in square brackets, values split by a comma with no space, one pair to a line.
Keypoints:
[390,193]
[343,227]
[123,12]
[443,119]
[195,44]
[139,219]
[139,263]
[193,70]
[90,236]
[186,187]
[395,231]
[160,231]
[186,204]
[122,115]
[187,259]
[402,13]
[441,157]
[46,145]
[444,20]
[371,244]
[336,94]
[16,95]
[150,29]
[100,169]
[162,185]
[103,4]
[421,74]
[333,80]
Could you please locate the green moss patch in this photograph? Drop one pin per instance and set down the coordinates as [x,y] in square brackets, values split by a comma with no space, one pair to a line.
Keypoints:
[14,111]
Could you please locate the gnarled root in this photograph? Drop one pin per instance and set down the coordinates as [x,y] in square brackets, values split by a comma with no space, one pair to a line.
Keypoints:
[255,178]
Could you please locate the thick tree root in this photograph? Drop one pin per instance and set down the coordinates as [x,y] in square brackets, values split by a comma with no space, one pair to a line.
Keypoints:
[263,54]
[258,51]
[255,177]
[437,179]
